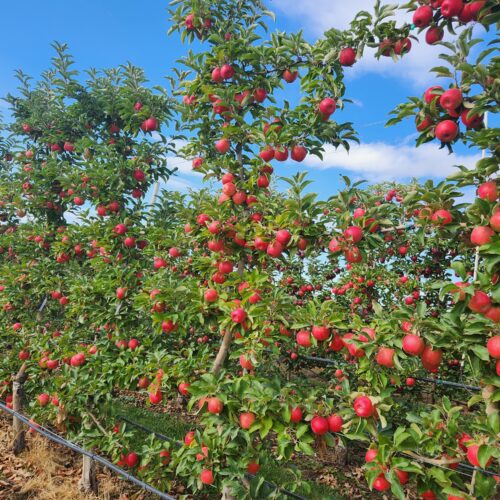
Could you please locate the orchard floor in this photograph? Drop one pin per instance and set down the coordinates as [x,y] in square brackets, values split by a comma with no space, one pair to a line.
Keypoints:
[46,471]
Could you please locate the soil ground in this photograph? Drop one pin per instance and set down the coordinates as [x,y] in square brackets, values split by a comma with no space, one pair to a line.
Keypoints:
[46,471]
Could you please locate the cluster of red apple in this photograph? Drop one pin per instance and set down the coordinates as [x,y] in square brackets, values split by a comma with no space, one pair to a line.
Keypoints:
[429,15]
[482,235]
[199,28]
[449,106]
[206,475]
[347,242]
[381,483]
[44,399]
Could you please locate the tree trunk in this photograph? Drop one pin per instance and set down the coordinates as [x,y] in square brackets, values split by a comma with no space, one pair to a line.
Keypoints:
[18,397]
[491,408]
[88,482]
[228,336]
[223,352]
[340,454]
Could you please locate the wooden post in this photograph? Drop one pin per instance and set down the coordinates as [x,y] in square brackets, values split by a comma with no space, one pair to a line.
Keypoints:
[154,196]
[17,405]
[88,481]
[226,494]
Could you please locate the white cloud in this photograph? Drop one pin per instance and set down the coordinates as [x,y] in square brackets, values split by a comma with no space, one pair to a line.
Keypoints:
[317,16]
[182,165]
[378,160]
[320,15]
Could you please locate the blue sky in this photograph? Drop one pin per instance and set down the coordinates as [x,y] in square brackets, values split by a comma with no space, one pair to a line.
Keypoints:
[107,33]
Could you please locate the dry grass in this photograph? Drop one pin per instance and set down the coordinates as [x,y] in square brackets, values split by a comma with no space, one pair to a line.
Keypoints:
[49,472]
[49,483]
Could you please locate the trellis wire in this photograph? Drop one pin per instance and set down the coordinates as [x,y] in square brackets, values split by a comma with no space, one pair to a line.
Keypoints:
[68,444]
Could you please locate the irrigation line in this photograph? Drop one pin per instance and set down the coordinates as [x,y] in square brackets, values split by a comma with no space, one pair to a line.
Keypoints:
[179,443]
[68,444]
[447,382]
[327,361]
[150,431]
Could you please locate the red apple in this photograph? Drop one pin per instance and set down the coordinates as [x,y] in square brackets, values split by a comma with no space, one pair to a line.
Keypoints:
[431,359]
[363,407]
[260,95]
[495,221]
[353,234]
[227,72]
[488,191]
[223,146]
[207,476]
[471,120]
[413,344]
[446,131]
[281,153]
[381,483]
[434,35]
[327,106]
[451,99]
[133,344]
[472,455]
[441,217]
[214,405]
[347,56]
[299,153]
[493,347]
[296,415]
[320,333]
[239,315]
[481,235]
[451,8]
[319,425]
[132,459]
[290,76]
[303,338]
[480,302]
[422,17]
[211,295]
[283,236]
[493,313]
[77,359]
[335,423]
[267,154]
[370,455]
[402,46]
[432,93]
[149,125]
[385,357]
[253,468]
[43,399]
[246,420]
[275,249]
[216,75]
